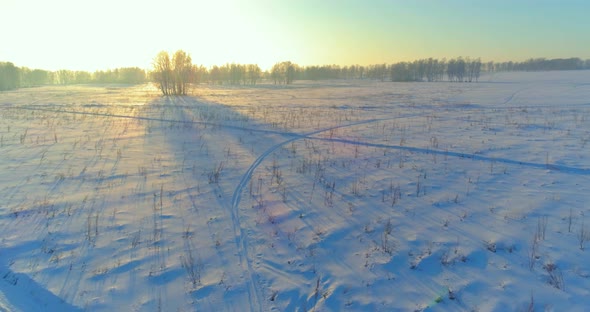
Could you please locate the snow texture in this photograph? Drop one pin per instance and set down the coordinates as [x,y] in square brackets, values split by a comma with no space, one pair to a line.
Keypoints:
[317,196]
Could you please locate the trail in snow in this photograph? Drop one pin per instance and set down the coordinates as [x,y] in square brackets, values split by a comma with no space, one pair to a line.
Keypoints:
[246,177]
[241,240]
[511,96]
[253,294]
[502,209]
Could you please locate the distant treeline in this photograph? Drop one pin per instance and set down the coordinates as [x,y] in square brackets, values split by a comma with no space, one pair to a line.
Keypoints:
[457,69]
[13,77]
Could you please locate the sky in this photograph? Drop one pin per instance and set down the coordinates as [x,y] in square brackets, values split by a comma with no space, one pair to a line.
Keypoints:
[98,35]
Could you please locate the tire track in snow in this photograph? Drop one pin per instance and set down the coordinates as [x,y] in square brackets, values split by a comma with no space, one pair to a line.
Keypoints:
[241,240]
[253,296]
[511,96]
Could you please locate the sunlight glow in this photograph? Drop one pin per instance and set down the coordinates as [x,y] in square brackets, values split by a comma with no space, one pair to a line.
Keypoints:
[83,35]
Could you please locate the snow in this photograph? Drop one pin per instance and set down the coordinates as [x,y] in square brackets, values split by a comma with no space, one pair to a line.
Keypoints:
[323,196]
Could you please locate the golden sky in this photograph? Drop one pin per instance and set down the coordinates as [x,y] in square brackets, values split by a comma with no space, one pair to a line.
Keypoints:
[92,35]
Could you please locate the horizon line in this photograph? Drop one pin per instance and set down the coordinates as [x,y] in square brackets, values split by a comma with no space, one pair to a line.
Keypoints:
[148,69]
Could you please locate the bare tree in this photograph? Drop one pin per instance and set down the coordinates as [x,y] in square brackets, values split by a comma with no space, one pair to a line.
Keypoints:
[473,69]
[283,72]
[162,73]
[173,75]
[182,71]
[253,72]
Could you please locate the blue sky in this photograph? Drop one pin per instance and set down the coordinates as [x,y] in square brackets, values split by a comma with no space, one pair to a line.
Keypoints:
[90,35]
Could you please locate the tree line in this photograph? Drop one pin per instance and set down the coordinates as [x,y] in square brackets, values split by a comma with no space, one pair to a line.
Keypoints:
[174,73]
[541,64]
[460,69]
[431,69]
[13,77]
[232,74]
[455,70]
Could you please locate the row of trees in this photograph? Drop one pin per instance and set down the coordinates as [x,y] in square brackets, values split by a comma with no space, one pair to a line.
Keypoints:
[131,75]
[233,74]
[541,64]
[174,73]
[455,70]
[430,69]
[13,77]
[127,75]
[420,70]
[463,69]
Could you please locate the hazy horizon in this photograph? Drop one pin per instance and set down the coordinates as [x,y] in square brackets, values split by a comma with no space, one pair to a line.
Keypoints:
[67,34]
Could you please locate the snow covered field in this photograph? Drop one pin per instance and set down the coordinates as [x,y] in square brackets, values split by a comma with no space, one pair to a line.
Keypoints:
[318,196]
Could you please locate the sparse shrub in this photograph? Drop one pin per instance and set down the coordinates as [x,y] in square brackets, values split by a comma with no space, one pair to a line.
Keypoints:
[191,265]
[583,236]
[215,173]
[555,275]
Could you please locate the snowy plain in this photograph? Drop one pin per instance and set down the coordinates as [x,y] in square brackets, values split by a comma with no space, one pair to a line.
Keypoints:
[317,196]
